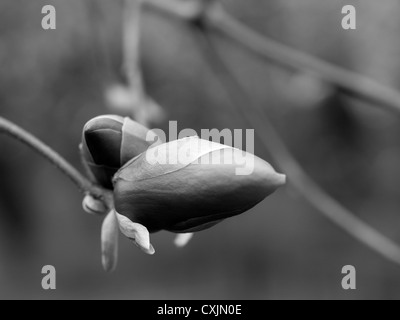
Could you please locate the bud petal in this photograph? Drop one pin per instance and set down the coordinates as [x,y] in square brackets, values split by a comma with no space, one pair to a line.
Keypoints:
[93,206]
[182,239]
[195,193]
[109,242]
[136,232]
[108,142]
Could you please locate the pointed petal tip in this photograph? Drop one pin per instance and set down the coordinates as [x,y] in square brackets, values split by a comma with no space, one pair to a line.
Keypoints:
[281,179]
[151,250]
[137,233]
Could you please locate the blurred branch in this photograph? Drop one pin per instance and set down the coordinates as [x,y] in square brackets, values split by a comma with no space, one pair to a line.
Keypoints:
[100,48]
[184,9]
[299,179]
[144,108]
[349,82]
[131,45]
[84,185]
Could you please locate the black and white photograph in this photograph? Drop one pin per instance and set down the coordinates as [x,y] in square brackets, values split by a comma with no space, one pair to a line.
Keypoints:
[199,157]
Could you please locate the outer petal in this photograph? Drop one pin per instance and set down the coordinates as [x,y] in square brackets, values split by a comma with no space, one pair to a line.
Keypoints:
[93,206]
[108,142]
[109,242]
[192,196]
[182,239]
[136,232]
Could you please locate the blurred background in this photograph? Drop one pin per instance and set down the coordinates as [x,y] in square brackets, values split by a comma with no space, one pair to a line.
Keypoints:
[52,82]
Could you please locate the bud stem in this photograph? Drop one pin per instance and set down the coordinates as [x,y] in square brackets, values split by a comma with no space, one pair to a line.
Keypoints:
[84,185]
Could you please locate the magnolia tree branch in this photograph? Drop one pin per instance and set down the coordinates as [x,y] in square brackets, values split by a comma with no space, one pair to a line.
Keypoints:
[184,9]
[83,184]
[298,178]
[131,45]
[144,109]
[219,20]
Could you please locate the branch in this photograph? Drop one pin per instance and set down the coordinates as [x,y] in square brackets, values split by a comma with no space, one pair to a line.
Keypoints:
[84,185]
[299,179]
[349,82]
[96,15]
[145,109]
[183,9]
[131,45]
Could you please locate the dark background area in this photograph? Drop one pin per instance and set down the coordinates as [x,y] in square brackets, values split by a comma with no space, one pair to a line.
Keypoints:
[52,82]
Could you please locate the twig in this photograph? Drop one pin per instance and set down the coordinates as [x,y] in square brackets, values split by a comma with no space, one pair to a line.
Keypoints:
[144,109]
[96,15]
[299,179]
[84,185]
[131,45]
[349,82]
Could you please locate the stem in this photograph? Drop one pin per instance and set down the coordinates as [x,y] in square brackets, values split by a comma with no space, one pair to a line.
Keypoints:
[145,109]
[96,14]
[131,45]
[299,179]
[84,185]
[184,9]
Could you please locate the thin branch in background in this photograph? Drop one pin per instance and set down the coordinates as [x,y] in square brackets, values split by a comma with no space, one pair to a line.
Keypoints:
[100,48]
[298,178]
[184,9]
[134,97]
[84,185]
[349,82]
[131,45]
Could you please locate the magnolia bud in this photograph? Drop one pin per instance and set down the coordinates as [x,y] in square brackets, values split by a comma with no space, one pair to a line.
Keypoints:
[108,142]
[191,184]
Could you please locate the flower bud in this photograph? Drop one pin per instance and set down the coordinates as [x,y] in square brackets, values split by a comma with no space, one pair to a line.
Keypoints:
[191,184]
[108,142]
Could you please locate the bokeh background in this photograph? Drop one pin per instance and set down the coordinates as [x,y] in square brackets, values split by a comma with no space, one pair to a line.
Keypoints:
[52,82]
